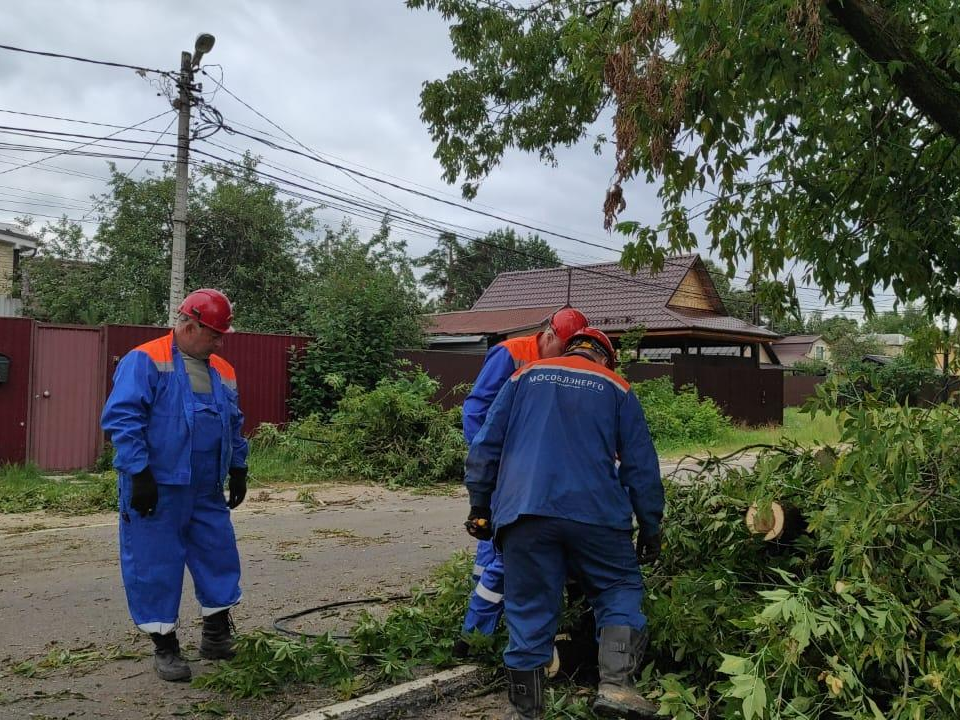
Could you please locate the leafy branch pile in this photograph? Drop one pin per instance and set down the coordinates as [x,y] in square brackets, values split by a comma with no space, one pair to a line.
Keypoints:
[395,434]
[416,633]
[679,418]
[859,618]
[26,489]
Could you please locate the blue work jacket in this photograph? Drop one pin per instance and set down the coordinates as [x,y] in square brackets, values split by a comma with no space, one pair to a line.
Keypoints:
[502,361]
[550,446]
[149,414]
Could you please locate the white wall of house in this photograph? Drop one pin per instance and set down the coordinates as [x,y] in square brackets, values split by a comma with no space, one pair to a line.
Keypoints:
[6,269]
[819,350]
[12,241]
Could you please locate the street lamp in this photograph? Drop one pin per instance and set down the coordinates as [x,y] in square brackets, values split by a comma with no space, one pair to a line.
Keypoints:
[202,46]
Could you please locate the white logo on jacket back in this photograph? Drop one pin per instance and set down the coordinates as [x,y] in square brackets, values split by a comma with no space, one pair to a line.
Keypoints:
[565,380]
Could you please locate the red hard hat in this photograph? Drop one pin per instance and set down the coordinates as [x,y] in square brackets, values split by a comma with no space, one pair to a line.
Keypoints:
[594,337]
[567,321]
[210,308]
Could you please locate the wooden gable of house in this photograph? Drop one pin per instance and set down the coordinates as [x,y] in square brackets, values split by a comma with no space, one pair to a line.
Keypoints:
[696,291]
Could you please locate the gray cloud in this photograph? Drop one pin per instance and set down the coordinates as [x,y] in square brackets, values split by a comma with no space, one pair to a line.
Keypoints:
[343,76]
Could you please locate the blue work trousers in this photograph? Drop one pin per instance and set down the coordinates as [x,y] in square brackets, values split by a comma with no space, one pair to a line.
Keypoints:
[190,528]
[486,600]
[540,552]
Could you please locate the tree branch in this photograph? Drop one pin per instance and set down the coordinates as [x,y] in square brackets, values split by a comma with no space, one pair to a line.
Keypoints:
[885,40]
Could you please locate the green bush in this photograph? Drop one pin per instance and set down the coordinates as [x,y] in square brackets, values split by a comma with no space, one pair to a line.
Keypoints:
[811,367]
[395,434]
[679,418]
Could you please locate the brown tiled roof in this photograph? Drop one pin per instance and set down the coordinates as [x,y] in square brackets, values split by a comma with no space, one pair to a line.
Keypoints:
[790,354]
[488,322]
[807,340]
[613,299]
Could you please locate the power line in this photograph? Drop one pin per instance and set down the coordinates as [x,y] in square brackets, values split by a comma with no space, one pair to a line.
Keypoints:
[316,156]
[78,147]
[620,280]
[107,63]
[79,122]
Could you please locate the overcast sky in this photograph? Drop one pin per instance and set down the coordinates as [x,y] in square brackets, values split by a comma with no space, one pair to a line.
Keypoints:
[342,76]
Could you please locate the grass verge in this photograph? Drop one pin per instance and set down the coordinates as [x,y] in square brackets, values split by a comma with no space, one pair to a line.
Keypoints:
[797,428]
[24,488]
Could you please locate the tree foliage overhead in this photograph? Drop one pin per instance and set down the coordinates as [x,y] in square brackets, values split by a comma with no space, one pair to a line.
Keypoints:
[461,271]
[814,134]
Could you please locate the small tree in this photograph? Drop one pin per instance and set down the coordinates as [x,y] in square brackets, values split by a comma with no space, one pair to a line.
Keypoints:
[360,301]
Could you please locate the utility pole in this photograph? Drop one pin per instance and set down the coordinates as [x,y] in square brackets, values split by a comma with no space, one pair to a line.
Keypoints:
[188,64]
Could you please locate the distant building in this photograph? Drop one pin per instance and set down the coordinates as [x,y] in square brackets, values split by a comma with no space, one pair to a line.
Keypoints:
[13,242]
[796,348]
[892,344]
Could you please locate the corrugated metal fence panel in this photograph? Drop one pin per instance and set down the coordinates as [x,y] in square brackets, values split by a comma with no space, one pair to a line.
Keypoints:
[638,371]
[743,391]
[67,397]
[449,368]
[262,363]
[121,339]
[16,342]
[797,388]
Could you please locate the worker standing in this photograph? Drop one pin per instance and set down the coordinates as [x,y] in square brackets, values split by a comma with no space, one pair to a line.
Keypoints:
[542,473]
[174,420]
[501,361]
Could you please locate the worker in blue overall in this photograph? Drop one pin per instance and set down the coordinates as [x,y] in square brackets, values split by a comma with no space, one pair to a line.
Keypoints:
[502,360]
[174,420]
[544,481]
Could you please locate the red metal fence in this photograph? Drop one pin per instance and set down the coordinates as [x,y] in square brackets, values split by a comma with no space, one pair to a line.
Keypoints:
[261,362]
[450,368]
[29,428]
[16,343]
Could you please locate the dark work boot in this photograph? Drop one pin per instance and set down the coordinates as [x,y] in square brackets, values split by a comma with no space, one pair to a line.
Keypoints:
[216,640]
[525,690]
[167,660]
[621,648]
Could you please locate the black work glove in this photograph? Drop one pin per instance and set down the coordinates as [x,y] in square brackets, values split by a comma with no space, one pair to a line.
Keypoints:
[648,548]
[238,486]
[478,523]
[143,497]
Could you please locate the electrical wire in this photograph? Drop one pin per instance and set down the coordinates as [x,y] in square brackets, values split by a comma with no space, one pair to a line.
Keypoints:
[76,58]
[83,145]
[618,278]
[279,624]
[316,156]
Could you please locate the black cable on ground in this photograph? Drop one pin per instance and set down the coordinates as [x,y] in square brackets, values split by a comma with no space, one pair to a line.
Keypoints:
[278,623]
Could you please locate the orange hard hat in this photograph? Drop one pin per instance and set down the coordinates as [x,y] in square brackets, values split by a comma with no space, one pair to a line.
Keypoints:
[596,340]
[210,308]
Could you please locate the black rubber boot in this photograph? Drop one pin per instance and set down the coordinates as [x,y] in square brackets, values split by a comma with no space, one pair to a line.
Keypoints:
[525,690]
[216,641]
[621,648]
[461,650]
[167,660]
